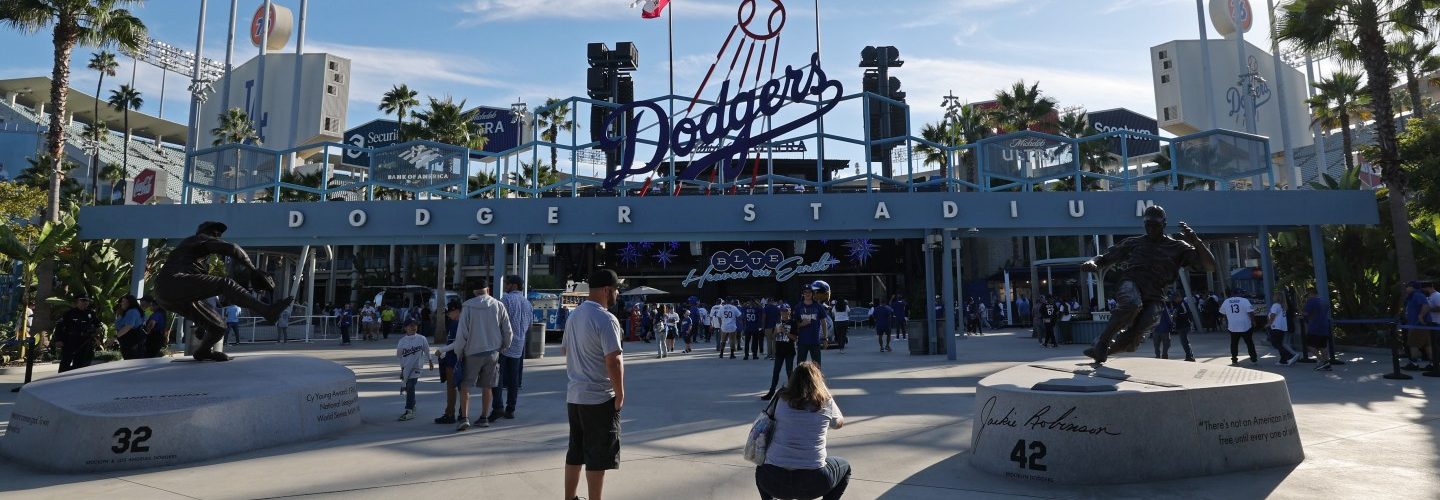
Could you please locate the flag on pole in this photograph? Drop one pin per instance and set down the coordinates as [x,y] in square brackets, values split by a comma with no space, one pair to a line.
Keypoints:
[651,8]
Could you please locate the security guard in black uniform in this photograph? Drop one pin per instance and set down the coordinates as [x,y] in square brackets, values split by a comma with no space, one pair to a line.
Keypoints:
[77,334]
[184,283]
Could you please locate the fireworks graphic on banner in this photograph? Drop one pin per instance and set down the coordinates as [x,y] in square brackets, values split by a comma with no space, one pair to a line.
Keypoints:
[665,255]
[860,251]
[630,254]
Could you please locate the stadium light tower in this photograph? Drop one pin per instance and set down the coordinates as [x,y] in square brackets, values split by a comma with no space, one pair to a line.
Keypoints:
[884,123]
[608,79]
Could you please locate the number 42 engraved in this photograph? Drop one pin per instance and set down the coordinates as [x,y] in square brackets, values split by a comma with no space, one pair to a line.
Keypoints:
[1032,462]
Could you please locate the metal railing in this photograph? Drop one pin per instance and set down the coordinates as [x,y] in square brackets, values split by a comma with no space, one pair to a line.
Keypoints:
[1021,161]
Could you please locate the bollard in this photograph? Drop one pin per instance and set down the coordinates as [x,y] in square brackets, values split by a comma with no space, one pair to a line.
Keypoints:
[1394,355]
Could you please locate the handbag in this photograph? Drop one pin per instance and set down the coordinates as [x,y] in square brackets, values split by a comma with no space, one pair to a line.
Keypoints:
[757,443]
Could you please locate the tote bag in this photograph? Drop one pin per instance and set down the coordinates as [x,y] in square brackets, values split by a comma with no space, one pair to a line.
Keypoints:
[757,443]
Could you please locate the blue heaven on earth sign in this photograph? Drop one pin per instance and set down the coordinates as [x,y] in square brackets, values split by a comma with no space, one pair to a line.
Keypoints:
[744,264]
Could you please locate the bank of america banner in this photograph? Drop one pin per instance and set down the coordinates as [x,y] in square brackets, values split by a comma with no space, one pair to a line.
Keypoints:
[1127,121]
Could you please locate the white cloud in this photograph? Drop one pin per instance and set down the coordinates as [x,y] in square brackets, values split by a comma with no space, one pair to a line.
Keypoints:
[373,70]
[489,11]
[927,80]
[1119,5]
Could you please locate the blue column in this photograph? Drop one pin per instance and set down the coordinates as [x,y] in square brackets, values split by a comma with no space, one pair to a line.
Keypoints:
[137,272]
[1317,257]
[1267,266]
[948,295]
[930,332]
[497,280]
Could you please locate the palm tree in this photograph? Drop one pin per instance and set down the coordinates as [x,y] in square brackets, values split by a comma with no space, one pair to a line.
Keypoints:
[104,63]
[96,23]
[1021,108]
[235,128]
[1325,25]
[554,120]
[938,133]
[112,174]
[447,122]
[399,100]
[525,175]
[1339,99]
[126,99]
[968,126]
[94,136]
[1414,59]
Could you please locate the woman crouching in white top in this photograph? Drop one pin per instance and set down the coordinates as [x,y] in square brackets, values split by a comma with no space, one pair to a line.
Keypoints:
[796,465]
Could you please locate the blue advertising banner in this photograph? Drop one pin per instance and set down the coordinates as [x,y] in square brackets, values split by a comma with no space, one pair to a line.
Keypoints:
[1129,121]
[498,125]
[376,134]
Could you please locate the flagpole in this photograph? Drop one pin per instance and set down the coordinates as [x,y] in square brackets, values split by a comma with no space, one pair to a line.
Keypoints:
[670,29]
[820,124]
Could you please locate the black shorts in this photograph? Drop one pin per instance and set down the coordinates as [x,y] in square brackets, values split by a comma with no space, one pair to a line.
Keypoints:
[594,436]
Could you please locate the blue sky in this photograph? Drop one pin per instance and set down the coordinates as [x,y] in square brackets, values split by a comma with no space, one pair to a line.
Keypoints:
[1090,53]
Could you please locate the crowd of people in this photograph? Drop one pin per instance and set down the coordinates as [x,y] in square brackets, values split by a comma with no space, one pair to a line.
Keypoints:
[142,330]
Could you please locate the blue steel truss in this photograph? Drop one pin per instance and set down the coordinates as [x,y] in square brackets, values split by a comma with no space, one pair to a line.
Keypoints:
[1218,157]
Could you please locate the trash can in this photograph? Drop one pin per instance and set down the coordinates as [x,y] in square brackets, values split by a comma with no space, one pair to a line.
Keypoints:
[535,341]
[918,338]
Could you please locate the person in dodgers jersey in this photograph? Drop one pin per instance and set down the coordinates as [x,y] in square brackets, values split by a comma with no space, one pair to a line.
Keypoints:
[1277,325]
[715,323]
[1237,311]
[730,321]
[753,337]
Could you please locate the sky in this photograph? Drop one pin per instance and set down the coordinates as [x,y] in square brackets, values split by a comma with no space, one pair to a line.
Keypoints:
[1084,53]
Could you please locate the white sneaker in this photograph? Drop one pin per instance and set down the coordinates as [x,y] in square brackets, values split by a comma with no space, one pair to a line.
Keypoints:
[409,414]
[1293,359]
[483,422]
[464,425]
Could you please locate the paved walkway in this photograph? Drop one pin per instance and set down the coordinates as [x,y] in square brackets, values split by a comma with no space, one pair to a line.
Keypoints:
[907,436]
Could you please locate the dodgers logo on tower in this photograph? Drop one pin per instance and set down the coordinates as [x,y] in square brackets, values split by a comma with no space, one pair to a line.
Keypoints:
[741,104]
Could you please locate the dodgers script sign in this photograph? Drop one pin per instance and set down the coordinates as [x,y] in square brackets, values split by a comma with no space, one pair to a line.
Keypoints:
[736,111]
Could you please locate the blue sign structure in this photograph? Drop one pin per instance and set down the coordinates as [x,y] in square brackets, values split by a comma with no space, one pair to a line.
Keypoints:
[375,134]
[744,264]
[732,117]
[1124,120]
[502,133]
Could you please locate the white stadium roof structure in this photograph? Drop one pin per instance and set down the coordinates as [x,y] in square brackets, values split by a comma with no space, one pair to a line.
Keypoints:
[162,153]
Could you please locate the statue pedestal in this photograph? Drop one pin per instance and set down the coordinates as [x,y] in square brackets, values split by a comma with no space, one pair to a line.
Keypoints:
[156,412]
[1132,420]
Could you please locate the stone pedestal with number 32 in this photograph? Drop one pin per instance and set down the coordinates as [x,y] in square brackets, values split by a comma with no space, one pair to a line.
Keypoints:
[154,412]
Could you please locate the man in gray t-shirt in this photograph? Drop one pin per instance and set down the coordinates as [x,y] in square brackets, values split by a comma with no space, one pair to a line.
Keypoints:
[596,390]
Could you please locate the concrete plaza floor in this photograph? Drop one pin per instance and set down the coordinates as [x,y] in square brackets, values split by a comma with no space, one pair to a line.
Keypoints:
[907,434]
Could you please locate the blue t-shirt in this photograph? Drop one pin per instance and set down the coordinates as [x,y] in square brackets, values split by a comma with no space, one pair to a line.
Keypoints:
[1413,304]
[772,315]
[232,314]
[1317,321]
[752,319]
[131,318]
[809,334]
[686,324]
[696,312]
[898,306]
[158,316]
[883,314]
